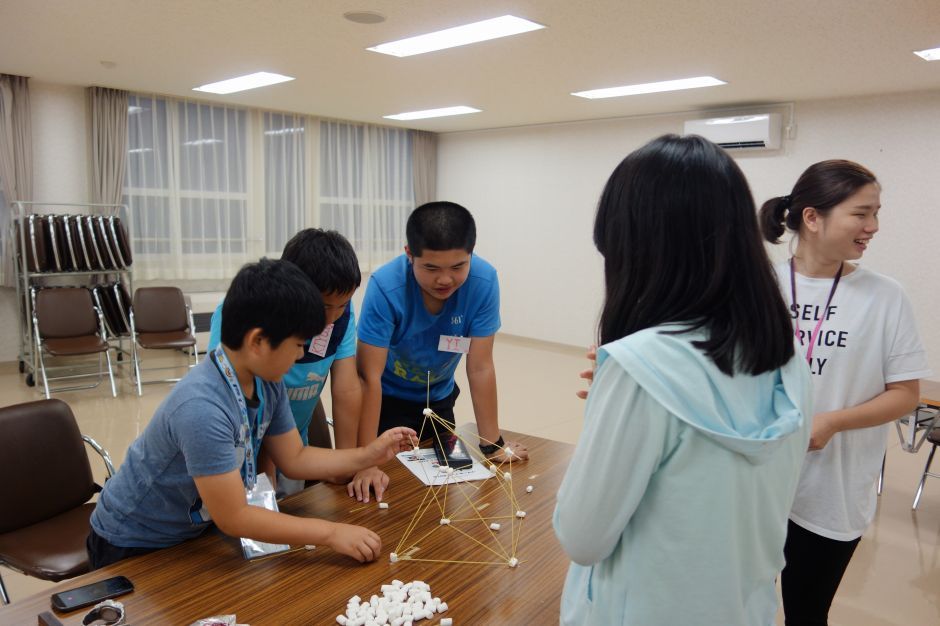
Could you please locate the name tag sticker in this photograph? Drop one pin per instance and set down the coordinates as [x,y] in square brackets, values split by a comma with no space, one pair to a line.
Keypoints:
[321,342]
[448,343]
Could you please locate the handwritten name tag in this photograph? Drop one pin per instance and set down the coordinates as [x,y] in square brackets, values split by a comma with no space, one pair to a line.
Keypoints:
[448,343]
[321,342]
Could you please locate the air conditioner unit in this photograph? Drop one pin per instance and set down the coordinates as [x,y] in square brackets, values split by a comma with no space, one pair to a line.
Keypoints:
[760,131]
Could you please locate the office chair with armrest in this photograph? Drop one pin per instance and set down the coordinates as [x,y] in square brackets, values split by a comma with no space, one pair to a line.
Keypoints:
[47,487]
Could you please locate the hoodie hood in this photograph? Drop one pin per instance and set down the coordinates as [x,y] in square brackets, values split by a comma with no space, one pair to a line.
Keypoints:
[749,419]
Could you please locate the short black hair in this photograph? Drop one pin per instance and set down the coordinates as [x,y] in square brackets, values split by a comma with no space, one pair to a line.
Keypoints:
[274,296]
[440,226]
[677,228]
[327,258]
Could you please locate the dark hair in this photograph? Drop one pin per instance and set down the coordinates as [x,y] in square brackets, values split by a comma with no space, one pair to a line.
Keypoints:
[822,186]
[440,226]
[677,228]
[327,258]
[274,296]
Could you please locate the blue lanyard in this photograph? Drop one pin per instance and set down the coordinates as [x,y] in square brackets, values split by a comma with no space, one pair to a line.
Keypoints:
[249,469]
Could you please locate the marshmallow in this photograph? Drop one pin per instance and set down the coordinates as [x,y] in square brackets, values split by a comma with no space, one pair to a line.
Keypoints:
[310,547]
[446,621]
[445,521]
[494,526]
[529,489]
[341,620]
[383,505]
[393,557]
[507,476]
[513,562]
[520,514]
[427,412]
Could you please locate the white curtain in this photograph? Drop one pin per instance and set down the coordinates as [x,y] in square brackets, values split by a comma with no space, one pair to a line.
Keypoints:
[188,188]
[286,183]
[16,156]
[211,187]
[366,187]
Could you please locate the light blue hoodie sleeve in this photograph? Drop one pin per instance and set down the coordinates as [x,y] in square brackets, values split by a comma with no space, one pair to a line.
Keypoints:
[626,435]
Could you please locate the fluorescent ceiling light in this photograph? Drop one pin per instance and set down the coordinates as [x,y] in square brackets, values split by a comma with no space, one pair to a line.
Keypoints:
[933,54]
[242,83]
[666,85]
[201,142]
[740,119]
[458,36]
[420,115]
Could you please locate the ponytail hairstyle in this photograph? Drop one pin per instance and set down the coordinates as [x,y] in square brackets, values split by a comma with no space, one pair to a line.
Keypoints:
[822,186]
[677,227]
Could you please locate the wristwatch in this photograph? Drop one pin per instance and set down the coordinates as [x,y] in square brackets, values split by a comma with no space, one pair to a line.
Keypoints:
[108,613]
[488,449]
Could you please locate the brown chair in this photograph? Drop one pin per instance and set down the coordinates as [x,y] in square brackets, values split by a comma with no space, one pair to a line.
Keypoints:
[933,437]
[160,320]
[65,324]
[47,487]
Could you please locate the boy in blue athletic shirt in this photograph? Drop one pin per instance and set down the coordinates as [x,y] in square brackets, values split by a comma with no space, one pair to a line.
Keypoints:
[328,259]
[422,311]
[197,456]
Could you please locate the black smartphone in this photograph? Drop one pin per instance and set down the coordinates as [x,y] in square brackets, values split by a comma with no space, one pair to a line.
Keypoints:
[451,452]
[72,599]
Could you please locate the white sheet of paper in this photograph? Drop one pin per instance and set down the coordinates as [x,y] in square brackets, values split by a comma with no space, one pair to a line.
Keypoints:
[321,342]
[449,343]
[423,464]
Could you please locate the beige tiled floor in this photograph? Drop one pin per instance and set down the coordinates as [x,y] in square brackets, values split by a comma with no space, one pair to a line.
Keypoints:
[893,579]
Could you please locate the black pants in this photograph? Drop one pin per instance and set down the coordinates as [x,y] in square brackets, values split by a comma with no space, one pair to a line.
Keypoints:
[101,552]
[809,580]
[398,412]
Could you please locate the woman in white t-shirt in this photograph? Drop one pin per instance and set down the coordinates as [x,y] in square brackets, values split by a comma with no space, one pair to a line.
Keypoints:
[861,343]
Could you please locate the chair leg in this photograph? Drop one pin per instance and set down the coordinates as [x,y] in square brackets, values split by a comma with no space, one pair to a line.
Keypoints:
[4,596]
[881,476]
[107,355]
[45,378]
[136,357]
[923,478]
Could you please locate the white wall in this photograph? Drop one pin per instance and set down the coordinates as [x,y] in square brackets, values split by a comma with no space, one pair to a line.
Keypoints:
[60,157]
[533,191]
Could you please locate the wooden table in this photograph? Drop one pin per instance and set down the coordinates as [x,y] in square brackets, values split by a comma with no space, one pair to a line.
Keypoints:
[208,576]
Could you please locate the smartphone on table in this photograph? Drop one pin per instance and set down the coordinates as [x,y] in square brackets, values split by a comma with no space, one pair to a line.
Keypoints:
[451,452]
[79,597]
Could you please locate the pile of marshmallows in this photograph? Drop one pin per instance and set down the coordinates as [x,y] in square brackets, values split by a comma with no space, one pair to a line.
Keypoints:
[401,604]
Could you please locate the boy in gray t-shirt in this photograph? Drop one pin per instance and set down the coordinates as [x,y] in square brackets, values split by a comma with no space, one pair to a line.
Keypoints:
[194,461]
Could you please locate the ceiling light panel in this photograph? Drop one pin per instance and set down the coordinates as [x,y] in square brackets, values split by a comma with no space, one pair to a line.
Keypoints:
[243,83]
[932,54]
[444,112]
[458,36]
[666,85]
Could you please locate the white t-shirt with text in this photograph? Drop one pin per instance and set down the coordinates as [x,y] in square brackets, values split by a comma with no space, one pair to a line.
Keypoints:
[868,338]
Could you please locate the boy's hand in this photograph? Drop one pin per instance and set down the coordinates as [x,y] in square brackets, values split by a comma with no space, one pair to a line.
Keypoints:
[355,541]
[588,374]
[358,487]
[517,451]
[390,443]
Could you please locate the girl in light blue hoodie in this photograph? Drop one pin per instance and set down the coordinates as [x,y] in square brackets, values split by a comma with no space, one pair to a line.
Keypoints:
[674,508]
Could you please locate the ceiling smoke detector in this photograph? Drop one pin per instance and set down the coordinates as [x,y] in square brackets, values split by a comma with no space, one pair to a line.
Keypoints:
[364,17]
